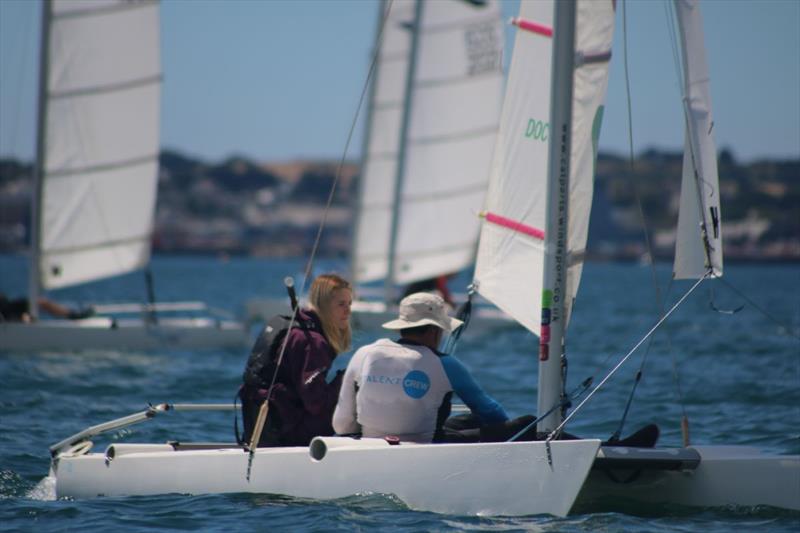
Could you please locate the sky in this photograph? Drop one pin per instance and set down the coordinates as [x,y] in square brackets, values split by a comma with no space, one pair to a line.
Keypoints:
[278,80]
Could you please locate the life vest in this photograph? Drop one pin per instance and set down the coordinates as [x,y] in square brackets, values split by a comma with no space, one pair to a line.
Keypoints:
[258,374]
[263,358]
[401,389]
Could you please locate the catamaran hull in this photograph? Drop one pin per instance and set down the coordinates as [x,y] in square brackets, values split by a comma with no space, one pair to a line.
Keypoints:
[474,479]
[370,315]
[128,334]
[724,476]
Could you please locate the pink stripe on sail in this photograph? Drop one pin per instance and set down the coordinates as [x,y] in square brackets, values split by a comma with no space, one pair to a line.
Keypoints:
[513,224]
[531,26]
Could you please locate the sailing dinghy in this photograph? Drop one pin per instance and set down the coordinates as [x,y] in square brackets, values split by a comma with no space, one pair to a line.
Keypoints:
[96,177]
[432,119]
[558,77]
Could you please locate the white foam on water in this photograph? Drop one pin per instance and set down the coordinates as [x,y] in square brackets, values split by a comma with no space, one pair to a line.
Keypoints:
[45,490]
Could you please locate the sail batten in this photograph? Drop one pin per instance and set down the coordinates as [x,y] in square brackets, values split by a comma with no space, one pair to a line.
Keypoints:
[99,157]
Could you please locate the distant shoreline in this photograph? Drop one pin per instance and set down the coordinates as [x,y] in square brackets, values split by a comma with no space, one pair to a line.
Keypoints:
[738,261]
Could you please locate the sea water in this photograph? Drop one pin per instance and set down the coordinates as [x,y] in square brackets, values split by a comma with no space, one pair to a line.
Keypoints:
[736,376]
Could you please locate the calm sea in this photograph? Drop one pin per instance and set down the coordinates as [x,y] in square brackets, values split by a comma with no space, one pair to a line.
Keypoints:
[737,377]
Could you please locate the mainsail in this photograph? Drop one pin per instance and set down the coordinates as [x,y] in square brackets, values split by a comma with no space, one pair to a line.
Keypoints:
[510,266]
[98,153]
[442,164]
[698,246]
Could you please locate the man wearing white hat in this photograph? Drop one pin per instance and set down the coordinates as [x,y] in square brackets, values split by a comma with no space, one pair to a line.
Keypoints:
[404,388]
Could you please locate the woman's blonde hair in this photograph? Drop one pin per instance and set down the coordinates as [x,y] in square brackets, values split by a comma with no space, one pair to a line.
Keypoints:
[320,297]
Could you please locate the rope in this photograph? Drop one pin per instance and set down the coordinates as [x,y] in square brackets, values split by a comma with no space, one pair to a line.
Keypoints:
[786,327]
[565,402]
[309,265]
[645,230]
[556,431]
[673,40]
[678,388]
[464,314]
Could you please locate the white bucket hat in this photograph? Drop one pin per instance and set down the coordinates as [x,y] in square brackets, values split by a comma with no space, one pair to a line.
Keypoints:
[423,308]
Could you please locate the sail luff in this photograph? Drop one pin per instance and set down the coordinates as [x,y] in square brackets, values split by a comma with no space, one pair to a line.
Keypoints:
[402,152]
[34,283]
[380,160]
[373,84]
[698,246]
[593,40]
[554,276]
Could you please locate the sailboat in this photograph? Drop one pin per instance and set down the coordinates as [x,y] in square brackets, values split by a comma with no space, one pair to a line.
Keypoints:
[432,118]
[96,177]
[560,56]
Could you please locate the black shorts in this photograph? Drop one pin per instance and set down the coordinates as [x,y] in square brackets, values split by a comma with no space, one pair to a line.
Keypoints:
[12,310]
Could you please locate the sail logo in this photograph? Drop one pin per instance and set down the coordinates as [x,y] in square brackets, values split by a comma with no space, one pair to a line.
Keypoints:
[537,130]
[416,384]
[484,51]
[385,380]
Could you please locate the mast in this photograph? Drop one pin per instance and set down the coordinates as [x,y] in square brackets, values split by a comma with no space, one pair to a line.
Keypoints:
[401,160]
[373,83]
[551,343]
[39,165]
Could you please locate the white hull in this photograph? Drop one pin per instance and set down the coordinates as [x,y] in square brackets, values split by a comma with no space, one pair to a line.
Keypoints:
[725,476]
[103,333]
[474,479]
[367,316]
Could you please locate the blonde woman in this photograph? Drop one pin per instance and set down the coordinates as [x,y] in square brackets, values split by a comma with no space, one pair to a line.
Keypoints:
[302,401]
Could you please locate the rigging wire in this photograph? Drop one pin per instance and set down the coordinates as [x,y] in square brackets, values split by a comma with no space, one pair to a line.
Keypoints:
[310,263]
[786,327]
[645,229]
[652,330]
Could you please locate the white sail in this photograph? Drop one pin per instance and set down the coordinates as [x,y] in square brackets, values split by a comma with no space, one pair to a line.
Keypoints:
[698,246]
[100,150]
[594,34]
[509,269]
[380,158]
[453,117]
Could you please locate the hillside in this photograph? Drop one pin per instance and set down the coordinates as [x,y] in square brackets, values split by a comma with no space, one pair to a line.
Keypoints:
[243,207]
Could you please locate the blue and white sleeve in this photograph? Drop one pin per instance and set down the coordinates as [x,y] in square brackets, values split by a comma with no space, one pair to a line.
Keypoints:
[483,405]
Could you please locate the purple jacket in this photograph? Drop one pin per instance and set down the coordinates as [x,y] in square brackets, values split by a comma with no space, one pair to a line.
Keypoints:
[302,399]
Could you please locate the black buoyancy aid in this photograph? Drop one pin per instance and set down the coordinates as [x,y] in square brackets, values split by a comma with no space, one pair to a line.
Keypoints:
[263,360]
[260,368]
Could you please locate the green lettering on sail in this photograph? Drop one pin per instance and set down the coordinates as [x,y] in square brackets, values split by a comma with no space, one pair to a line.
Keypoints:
[598,121]
[537,130]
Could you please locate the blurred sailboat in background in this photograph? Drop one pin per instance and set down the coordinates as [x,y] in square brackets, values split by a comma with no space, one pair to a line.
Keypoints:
[432,119]
[96,179]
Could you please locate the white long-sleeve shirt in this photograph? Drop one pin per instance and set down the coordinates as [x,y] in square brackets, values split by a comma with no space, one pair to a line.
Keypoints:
[398,389]
[392,389]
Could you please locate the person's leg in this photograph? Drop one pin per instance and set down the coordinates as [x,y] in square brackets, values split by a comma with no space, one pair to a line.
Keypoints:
[645,437]
[16,311]
[505,430]
[57,310]
[54,309]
